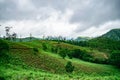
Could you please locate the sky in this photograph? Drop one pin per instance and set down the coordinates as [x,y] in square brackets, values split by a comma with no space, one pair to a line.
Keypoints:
[67,18]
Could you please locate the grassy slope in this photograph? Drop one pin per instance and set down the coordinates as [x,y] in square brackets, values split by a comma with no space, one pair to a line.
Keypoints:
[51,66]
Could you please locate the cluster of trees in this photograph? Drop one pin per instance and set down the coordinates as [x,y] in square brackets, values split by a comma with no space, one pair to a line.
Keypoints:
[72,53]
[104,44]
[101,44]
[13,36]
[10,36]
[115,58]
[59,38]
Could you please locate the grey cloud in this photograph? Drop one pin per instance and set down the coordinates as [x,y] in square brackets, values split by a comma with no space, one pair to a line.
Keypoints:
[86,12]
[97,12]
[9,10]
[56,4]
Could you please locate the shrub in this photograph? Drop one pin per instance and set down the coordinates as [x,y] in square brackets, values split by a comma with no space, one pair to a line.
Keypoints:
[115,58]
[2,78]
[62,53]
[44,46]
[69,67]
[86,56]
[35,50]
[4,48]
[70,55]
[77,53]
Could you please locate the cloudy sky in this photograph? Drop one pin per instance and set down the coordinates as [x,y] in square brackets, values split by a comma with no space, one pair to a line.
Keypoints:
[68,18]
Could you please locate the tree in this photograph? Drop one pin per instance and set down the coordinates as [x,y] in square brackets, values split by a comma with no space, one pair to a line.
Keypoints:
[77,53]
[14,36]
[7,29]
[70,54]
[30,36]
[62,53]
[115,58]
[69,67]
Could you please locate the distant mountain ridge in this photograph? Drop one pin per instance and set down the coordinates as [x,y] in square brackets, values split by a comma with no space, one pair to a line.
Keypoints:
[113,34]
[82,38]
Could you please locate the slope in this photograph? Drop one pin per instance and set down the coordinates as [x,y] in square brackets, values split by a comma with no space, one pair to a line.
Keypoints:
[44,64]
[113,34]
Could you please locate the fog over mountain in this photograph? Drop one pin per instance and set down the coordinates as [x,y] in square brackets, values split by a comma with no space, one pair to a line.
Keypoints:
[68,18]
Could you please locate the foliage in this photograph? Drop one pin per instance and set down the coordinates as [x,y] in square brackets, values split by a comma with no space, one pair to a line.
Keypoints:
[4,48]
[77,53]
[35,50]
[44,46]
[69,67]
[2,78]
[48,66]
[115,58]
[104,44]
[70,55]
[62,53]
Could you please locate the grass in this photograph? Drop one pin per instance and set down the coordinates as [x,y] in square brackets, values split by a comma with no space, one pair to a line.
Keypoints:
[44,65]
[15,72]
[20,73]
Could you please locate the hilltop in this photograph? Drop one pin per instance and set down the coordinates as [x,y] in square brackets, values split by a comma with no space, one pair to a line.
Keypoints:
[113,34]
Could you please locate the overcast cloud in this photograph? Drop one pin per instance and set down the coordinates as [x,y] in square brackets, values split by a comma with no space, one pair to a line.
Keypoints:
[68,18]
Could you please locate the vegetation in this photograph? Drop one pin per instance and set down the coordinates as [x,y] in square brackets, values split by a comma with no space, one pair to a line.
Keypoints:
[4,49]
[113,34]
[69,67]
[48,64]
[62,53]
[115,58]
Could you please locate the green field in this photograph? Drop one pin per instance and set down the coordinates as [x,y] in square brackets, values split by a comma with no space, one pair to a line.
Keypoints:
[25,64]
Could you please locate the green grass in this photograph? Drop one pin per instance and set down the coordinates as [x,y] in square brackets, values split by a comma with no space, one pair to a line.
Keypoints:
[44,65]
[13,72]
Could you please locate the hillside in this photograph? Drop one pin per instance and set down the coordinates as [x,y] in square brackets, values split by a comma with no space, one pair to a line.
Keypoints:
[24,63]
[113,34]
[82,39]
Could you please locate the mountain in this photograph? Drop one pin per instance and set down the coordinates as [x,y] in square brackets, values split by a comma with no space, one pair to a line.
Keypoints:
[82,38]
[113,34]
[26,39]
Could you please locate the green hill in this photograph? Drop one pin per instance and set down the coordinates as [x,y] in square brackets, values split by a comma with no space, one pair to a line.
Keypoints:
[113,34]
[24,63]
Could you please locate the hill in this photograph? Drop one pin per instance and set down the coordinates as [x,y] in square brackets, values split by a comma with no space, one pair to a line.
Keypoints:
[113,34]
[82,39]
[25,63]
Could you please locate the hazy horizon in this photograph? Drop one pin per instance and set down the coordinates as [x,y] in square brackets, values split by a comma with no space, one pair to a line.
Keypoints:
[67,18]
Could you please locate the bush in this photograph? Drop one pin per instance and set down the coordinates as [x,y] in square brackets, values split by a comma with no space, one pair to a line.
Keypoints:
[69,67]
[70,54]
[4,48]
[62,53]
[86,56]
[2,78]
[115,58]
[44,46]
[77,53]
[35,50]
